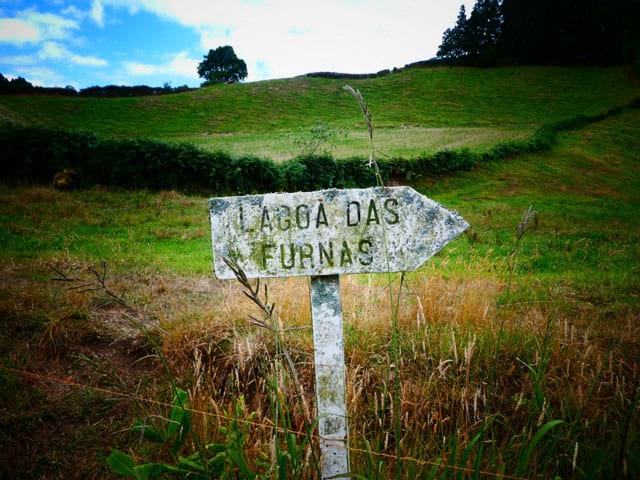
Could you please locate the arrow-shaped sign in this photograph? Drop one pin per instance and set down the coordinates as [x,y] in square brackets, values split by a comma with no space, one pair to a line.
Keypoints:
[329,232]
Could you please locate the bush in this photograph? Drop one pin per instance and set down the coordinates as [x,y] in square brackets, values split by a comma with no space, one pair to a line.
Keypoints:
[313,172]
[253,175]
[149,164]
[355,173]
[36,155]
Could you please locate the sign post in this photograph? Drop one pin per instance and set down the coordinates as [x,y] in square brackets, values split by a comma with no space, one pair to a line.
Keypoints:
[324,234]
[331,386]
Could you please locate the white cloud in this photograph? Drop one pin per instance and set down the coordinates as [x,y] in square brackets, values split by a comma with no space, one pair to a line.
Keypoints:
[180,65]
[293,37]
[184,66]
[18,60]
[88,61]
[97,13]
[73,11]
[17,31]
[56,51]
[52,51]
[40,76]
[30,26]
[141,69]
[50,26]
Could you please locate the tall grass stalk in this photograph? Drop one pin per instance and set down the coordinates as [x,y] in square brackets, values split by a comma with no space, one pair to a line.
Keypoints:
[528,216]
[367,119]
[394,368]
[271,322]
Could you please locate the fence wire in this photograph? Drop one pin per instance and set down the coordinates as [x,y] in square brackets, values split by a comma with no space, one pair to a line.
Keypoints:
[71,383]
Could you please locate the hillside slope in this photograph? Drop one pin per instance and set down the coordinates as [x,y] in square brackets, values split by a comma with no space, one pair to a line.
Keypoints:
[545,326]
[515,97]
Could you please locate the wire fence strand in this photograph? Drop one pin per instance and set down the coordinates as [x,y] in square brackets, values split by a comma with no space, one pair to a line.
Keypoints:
[113,393]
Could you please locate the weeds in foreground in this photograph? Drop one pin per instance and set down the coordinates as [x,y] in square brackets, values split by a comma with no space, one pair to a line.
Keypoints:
[552,367]
[319,139]
[567,353]
[291,453]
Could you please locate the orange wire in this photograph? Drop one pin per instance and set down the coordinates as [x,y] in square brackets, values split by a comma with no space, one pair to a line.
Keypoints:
[71,383]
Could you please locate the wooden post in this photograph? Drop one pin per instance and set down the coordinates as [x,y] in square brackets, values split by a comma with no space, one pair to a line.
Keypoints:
[328,347]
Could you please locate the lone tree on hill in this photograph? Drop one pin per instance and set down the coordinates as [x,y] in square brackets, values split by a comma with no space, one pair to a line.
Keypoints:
[222,66]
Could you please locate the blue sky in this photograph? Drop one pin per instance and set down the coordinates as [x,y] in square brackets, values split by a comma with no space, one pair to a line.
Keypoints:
[151,42]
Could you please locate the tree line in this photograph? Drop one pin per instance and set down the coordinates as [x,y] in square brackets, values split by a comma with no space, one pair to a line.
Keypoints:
[219,66]
[19,85]
[545,32]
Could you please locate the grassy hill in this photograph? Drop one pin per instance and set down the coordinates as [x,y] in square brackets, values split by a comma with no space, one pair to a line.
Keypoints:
[415,110]
[518,344]
[501,337]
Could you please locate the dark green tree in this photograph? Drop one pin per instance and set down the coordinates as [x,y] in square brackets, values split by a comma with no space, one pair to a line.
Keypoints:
[596,32]
[454,40]
[570,31]
[222,66]
[483,31]
[475,37]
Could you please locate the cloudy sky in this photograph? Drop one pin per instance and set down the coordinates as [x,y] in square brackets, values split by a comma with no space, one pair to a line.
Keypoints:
[131,42]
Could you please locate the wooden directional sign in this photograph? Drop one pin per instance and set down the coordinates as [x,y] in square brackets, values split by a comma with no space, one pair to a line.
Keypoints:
[323,234]
[329,232]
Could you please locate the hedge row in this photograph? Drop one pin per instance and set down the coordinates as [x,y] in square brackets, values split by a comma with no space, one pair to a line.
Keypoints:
[36,155]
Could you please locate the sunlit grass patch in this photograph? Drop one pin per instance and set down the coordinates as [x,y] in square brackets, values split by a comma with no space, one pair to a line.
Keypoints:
[403,141]
[503,98]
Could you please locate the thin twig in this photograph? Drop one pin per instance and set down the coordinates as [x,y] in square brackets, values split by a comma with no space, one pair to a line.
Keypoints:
[99,284]
[270,322]
[367,118]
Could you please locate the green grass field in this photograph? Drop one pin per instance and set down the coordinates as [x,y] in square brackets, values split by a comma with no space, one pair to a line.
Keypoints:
[574,191]
[518,357]
[415,110]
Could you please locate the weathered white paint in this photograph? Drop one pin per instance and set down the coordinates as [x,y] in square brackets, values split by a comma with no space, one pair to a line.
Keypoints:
[328,347]
[329,232]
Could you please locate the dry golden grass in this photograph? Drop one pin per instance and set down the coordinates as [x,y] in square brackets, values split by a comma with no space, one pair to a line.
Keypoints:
[456,373]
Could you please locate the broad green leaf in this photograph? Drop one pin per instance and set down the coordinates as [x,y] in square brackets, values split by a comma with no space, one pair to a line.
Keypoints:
[149,433]
[526,456]
[143,472]
[121,463]
[237,458]
[216,447]
[179,417]
[193,464]
[217,463]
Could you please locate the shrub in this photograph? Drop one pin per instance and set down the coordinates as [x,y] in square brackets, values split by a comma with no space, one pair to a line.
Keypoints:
[312,172]
[253,175]
[36,155]
[354,173]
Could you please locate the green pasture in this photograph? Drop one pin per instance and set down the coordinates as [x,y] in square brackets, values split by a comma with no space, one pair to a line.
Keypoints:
[517,344]
[414,110]
[586,191]
[403,141]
